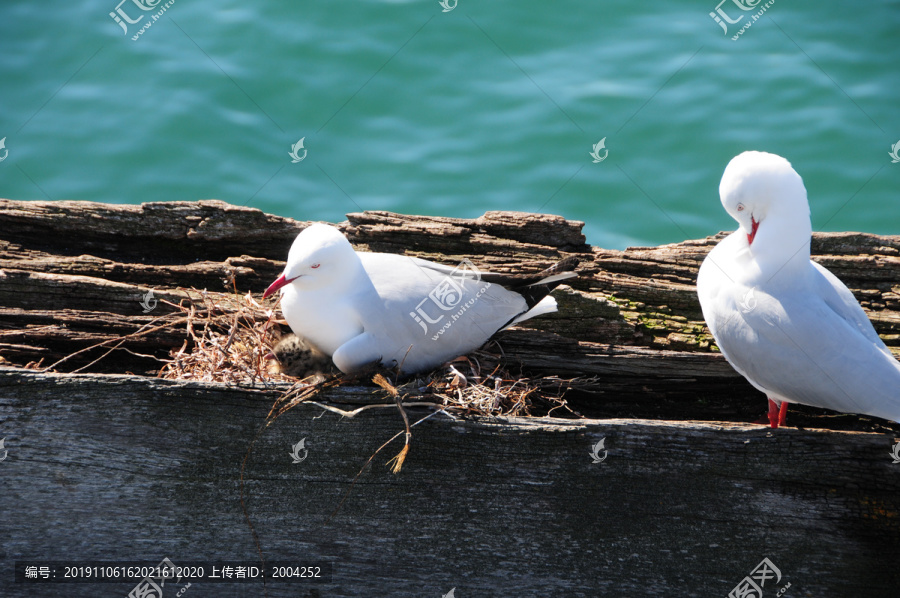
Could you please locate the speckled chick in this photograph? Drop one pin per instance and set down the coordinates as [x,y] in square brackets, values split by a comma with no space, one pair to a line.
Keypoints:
[297,358]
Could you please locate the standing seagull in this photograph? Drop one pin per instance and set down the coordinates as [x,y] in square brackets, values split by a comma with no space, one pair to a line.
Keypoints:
[361,308]
[785,323]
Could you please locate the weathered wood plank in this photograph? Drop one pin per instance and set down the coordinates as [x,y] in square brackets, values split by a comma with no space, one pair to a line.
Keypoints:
[124,467]
[72,274]
[127,467]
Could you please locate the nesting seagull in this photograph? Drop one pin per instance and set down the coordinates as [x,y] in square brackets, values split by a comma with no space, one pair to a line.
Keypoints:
[784,322]
[362,308]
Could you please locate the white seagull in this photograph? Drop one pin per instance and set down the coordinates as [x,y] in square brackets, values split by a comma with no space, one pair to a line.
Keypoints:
[784,322]
[362,308]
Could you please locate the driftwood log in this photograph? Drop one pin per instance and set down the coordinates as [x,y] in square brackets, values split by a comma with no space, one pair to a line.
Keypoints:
[114,464]
[131,468]
[72,274]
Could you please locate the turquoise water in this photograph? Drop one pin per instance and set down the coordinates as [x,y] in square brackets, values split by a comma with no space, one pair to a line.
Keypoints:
[490,106]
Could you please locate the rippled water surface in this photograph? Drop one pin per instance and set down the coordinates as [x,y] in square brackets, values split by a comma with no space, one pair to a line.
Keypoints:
[489,106]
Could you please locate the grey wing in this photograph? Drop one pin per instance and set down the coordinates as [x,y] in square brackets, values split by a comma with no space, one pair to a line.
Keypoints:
[839,298]
[433,266]
[422,327]
[798,348]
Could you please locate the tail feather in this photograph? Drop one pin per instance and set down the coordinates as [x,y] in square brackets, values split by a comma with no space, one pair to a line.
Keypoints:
[564,265]
[534,292]
[556,278]
[547,305]
[536,289]
[536,286]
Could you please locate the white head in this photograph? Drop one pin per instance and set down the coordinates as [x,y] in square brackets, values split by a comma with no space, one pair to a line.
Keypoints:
[320,256]
[767,198]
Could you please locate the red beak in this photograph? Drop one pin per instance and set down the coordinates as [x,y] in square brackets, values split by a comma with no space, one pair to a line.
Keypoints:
[280,282]
[753,222]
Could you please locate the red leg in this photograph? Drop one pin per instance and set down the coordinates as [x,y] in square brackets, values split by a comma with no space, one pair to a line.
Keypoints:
[774,413]
[782,415]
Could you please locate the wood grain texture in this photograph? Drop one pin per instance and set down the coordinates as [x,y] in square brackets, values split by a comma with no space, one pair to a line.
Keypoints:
[126,467]
[73,274]
[112,466]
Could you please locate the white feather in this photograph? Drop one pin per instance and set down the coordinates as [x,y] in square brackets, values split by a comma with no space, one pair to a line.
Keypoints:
[806,340]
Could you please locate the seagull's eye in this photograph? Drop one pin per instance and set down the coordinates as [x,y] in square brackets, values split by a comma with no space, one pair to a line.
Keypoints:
[314,266]
[740,207]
